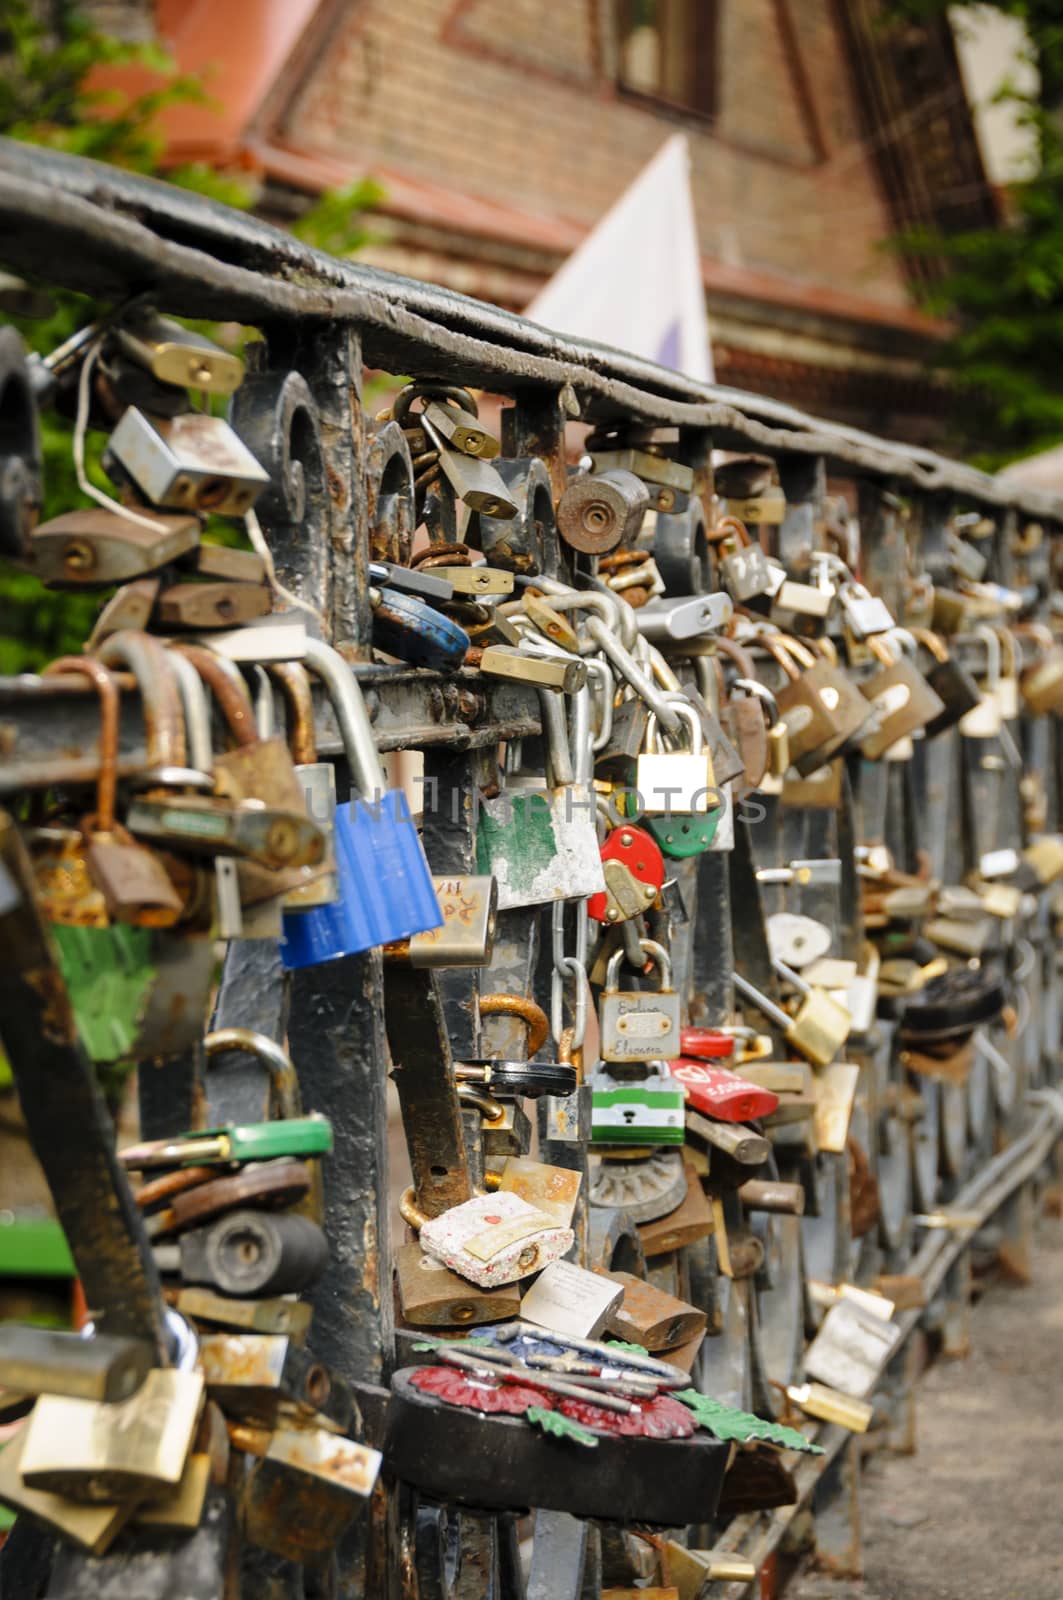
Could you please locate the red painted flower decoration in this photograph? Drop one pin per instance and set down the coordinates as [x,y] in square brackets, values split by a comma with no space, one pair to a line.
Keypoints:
[661,1418]
[479,1394]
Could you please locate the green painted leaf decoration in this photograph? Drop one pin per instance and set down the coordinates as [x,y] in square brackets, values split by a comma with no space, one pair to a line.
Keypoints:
[633,1349]
[727,1423]
[564,1427]
[424,1344]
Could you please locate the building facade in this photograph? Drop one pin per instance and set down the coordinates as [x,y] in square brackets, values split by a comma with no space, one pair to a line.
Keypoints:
[501,130]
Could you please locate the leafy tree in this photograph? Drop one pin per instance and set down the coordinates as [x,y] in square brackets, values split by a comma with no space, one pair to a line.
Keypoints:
[44,100]
[1003,287]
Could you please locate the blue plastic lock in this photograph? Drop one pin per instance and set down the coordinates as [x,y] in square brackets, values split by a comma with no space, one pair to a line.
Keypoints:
[386,890]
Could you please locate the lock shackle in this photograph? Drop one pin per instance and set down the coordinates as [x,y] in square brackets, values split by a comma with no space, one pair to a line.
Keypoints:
[766,1006]
[295,686]
[196,709]
[164,724]
[599,599]
[352,718]
[991,641]
[519,1005]
[687,714]
[1009,650]
[601,687]
[400,407]
[277,1061]
[233,702]
[107,689]
[802,985]
[736,653]
[759,691]
[931,642]
[492,1110]
[657,951]
[877,644]
[734,528]
[787,652]
[1039,631]
[827,649]
[410,1211]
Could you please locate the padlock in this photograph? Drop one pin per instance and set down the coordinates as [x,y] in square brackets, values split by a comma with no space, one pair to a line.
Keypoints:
[192,462]
[820,790]
[134,883]
[984,720]
[675,783]
[865,614]
[634,874]
[472,480]
[469,908]
[267,1315]
[461,429]
[1008,687]
[1042,683]
[597,512]
[953,685]
[174,354]
[821,707]
[639,1025]
[835,1088]
[411,629]
[821,1025]
[541,844]
[431,1296]
[494,1239]
[317,779]
[90,1527]
[717,1092]
[94,548]
[262,1377]
[743,569]
[806,605]
[901,697]
[98,1452]
[303,1490]
[386,891]
[562,675]
[249,1253]
[749,712]
[649,1317]
[45,1361]
[637,1111]
[668,482]
[684,624]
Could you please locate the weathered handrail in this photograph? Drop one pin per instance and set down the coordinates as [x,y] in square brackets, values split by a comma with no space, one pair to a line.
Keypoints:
[204,259]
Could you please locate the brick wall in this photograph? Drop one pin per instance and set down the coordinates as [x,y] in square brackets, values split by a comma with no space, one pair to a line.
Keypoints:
[515,100]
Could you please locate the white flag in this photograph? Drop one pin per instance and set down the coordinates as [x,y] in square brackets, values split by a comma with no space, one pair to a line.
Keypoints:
[635,281]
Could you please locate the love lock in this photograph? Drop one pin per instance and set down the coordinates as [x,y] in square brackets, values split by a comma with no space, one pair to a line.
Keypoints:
[634,873]
[642,1189]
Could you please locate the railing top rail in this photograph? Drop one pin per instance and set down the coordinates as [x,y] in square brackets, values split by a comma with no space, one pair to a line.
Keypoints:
[110,233]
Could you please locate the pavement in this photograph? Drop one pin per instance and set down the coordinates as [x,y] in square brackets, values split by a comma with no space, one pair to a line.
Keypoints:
[977,1512]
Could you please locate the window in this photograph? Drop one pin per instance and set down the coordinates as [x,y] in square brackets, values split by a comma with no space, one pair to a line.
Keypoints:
[665,50]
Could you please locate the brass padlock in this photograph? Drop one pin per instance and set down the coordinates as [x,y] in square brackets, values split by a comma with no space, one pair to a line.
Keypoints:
[1042,683]
[174,354]
[901,697]
[96,1452]
[821,707]
[93,547]
[431,1296]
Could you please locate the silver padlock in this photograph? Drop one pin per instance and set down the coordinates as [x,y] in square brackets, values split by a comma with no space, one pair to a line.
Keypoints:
[639,1024]
[675,782]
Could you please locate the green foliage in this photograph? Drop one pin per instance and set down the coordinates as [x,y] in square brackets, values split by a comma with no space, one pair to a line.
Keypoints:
[1003,287]
[562,1427]
[727,1423]
[44,100]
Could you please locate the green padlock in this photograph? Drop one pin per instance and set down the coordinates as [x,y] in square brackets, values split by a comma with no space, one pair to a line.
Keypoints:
[247,1141]
[676,788]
